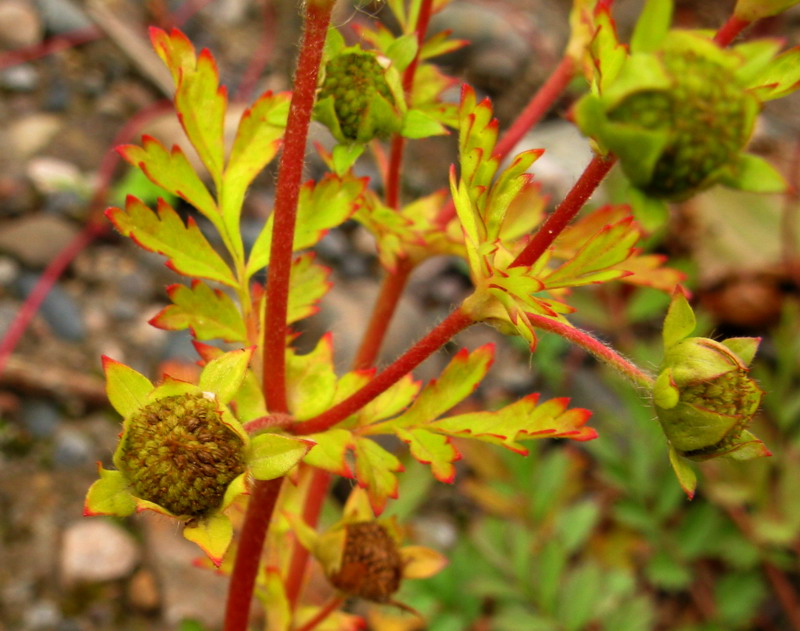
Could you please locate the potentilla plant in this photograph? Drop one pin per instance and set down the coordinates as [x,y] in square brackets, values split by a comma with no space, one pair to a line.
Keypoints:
[266,428]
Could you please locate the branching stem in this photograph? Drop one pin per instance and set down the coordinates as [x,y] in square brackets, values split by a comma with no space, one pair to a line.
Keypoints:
[565,212]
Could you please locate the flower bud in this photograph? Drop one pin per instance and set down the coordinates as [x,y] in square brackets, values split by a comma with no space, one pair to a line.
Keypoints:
[703,395]
[355,101]
[178,453]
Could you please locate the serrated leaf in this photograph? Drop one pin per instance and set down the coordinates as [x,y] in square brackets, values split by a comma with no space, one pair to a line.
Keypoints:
[390,402]
[441,44]
[330,452]
[594,262]
[375,471]
[172,171]
[781,77]
[201,103]
[223,375]
[188,251]
[127,389]
[320,207]
[433,449]
[175,50]
[308,284]
[257,140]
[457,381]
[208,313]
[310,380]
[522,420]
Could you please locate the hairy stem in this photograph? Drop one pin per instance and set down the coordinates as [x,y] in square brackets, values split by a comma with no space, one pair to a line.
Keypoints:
[413,357]
[398,142]
[565,212]
[287,192]
[601,351]
[538,106]
[263,497]
[385,305]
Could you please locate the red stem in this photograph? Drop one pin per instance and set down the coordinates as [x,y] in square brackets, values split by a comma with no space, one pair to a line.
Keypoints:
[728,31]
[385,306]
[594,173]
[332,605]
[590,343]
[287,191]
[398,142]
[263,497]
[315,498]
[413,357]
[538,106]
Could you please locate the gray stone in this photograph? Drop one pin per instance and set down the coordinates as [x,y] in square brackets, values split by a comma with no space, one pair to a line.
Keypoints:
[21,78]
[72,449]
[43,615]
[62,16]
[40,417]
[58,309]
[96,550]
[36,239]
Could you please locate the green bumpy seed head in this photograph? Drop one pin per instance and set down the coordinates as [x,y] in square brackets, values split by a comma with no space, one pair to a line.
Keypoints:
[352,79]
[371,565]
[178,453]
[705,113]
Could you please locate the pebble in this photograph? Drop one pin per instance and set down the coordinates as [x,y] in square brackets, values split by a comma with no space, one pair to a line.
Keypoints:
[51,175]
[72,449]
[62,16]
[43,615]
[29,134]
[40,417]
[20,25]
[58,309]
[143,592]
[96,550]
[36,239]
[20,78]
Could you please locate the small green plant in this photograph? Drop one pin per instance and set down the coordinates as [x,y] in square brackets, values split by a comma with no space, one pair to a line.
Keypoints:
[266,427]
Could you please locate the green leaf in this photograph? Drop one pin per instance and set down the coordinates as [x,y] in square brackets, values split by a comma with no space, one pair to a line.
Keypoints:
[213,534]
[109,495]
[257,140]
[419,124]
[188,251]
[402,51]
[208,313]
[687,478]
[175,50]
[579,596]
[201,104]
[667,572]
[127,389]
[171,171]
[308,284]
[457,381]
[223,376]
[780,78]
[745,348]
[345,156]
[576,522]
[752,10]
[524,419]
[753,173]
[310,380]
[680,321]
[375,471]
[321,206]
[274,455]
[330,452]
[594,262]
[652,26]
[739,596]
[390,402]
[433,449]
